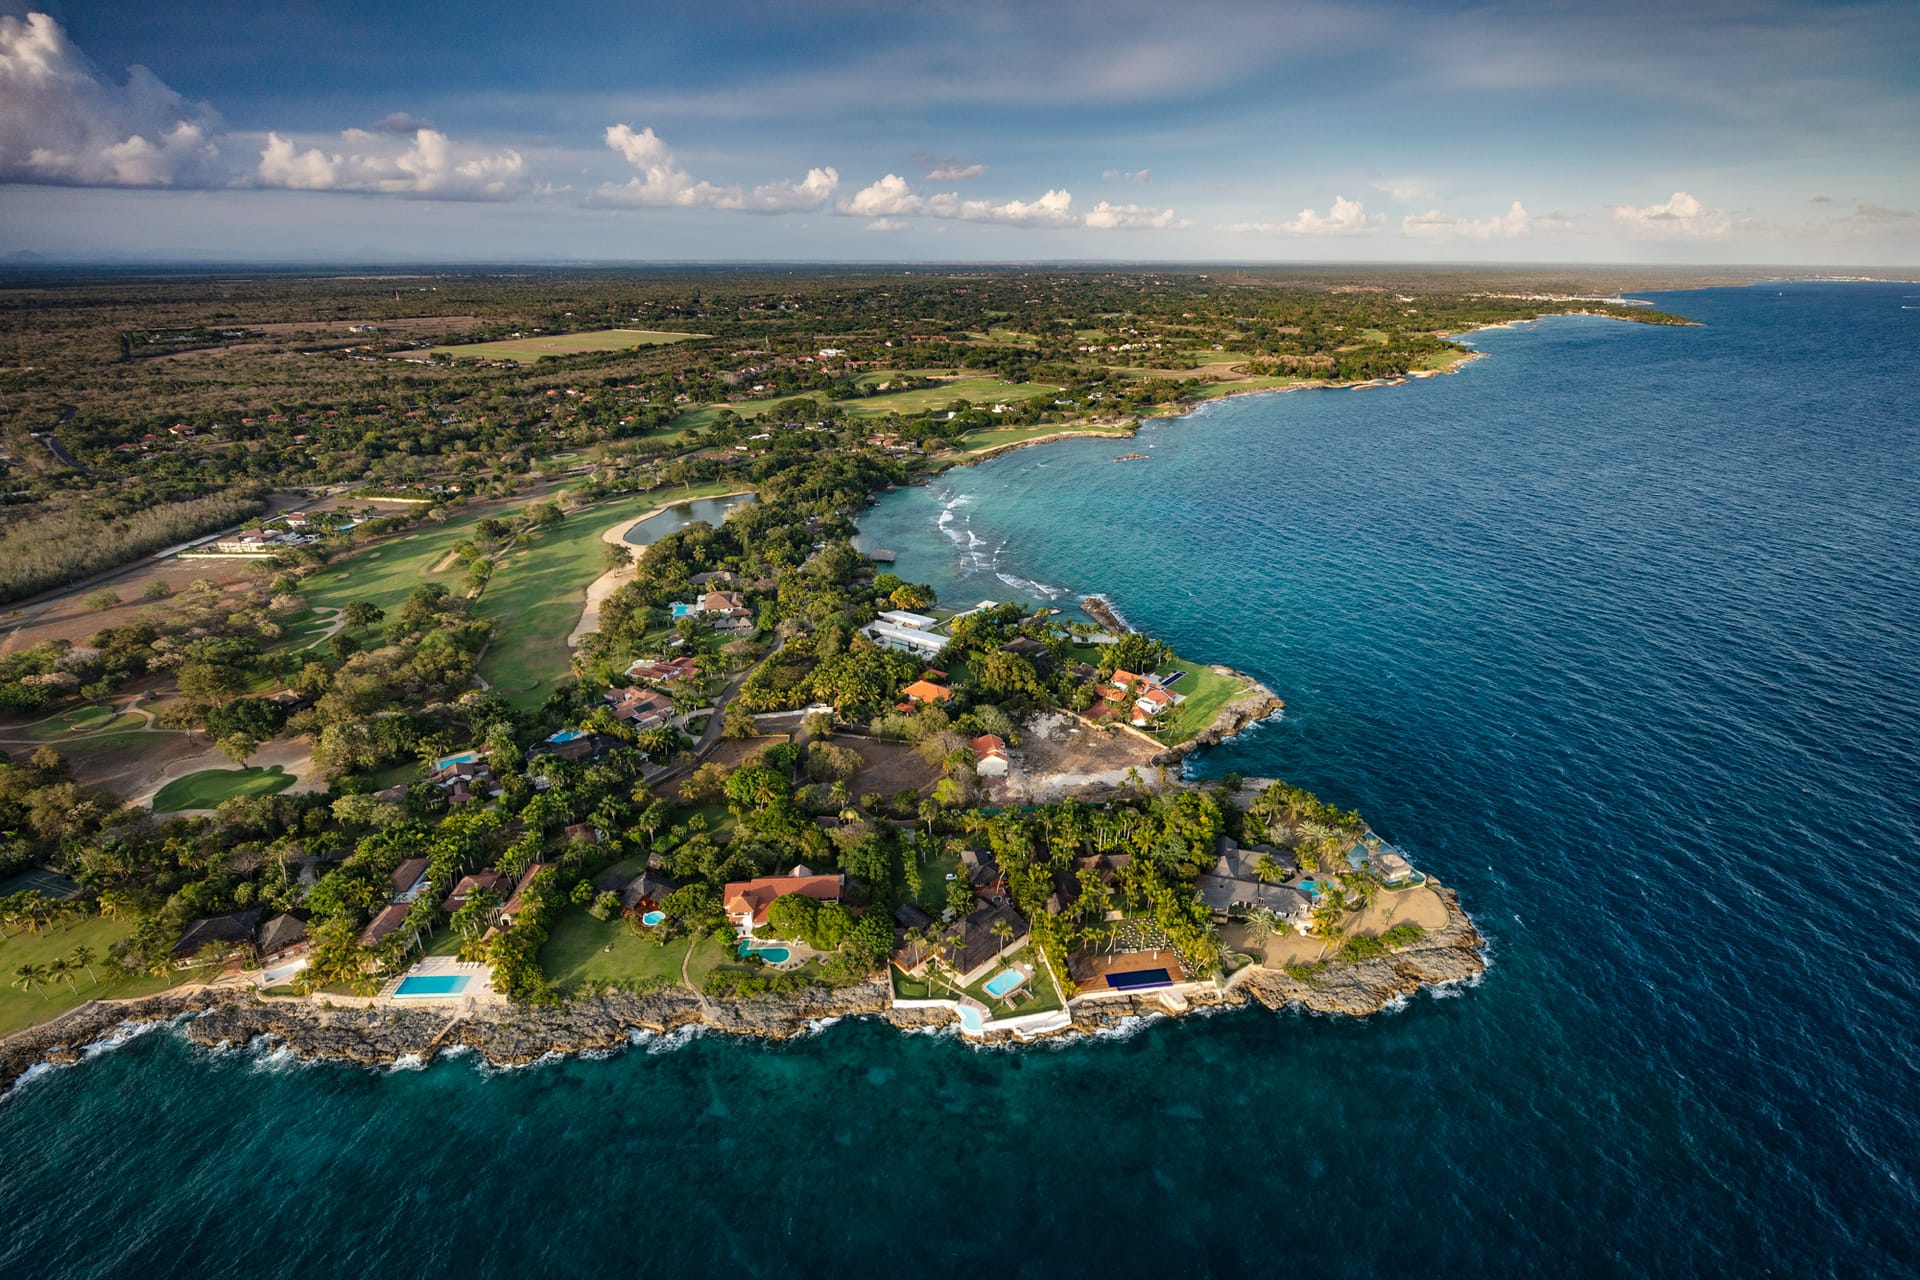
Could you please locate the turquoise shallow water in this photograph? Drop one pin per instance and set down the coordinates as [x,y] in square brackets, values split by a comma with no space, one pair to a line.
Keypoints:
[1615,631]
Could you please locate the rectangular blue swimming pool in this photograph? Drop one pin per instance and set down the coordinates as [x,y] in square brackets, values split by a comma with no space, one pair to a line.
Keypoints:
[445,984]
[1004,981]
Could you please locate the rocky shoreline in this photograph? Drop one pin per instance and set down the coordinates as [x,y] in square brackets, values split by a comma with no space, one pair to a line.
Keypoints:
[379,1036]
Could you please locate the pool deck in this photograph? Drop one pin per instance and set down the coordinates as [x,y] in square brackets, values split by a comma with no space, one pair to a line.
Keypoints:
[479,985]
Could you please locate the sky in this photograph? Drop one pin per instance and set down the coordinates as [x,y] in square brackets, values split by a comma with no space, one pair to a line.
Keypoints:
[1782,132]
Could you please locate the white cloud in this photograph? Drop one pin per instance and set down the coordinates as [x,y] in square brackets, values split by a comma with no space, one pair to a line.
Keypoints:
[401,122]
[1140,176]
[1680,216]
[892,197]
[955,172]
[1345,217]
[428,165]
[1129,216]
[886,224]
[663,184]
[62,122]
[1434,224]
[1406,190]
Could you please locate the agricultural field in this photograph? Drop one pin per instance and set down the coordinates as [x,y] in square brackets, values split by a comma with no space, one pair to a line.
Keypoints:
[528,350]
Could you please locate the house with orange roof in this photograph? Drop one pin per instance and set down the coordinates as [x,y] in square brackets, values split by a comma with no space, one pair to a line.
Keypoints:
[746,901]
[926,691]
[990,758]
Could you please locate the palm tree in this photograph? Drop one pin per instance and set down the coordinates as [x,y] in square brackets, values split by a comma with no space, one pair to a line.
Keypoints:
[61,970]
[1004,932]
[1268,871]
[30,975]
[83,957]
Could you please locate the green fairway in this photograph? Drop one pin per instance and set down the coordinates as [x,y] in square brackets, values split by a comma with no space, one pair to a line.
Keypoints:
[980,392]
[975,441]
[24,1006]
[78,721]
[527,350]
[206,789]
[581,949]
[535,598]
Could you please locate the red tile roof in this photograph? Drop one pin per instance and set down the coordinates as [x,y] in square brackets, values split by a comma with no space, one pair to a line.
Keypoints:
[753,897]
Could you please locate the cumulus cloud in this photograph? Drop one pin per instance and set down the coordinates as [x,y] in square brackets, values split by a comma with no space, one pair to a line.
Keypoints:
[1345,217]
[428,165]
[63,122]
[1140,176]
[663,184]
[892,197]
[1434,224]
[1682,215]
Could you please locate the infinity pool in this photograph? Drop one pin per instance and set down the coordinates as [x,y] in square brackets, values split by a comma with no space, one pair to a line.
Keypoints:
[443,984]
[772,955]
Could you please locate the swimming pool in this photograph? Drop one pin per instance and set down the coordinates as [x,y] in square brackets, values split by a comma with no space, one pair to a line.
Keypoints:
[772,955]
[1004,981]
[971,1021]
[439,984]
[653,918]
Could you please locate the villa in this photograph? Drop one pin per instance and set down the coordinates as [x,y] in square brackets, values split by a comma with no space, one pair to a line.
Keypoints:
[661,670]
[642,708]
[225,934]
[725,604]
[514,903]
[746,901]
[470,885]
[911,621]
[905,639]
[990,755]
[385,925]
[926,691]
[282,936]
[980,946]
[646,892]
[409,880]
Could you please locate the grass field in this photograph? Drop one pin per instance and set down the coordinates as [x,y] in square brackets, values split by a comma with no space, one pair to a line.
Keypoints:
[1206,692]
[975,441]
[527,350]
[581,949]
[533,599]
[22,1007]
[977,391]
[78,721]
[206,789]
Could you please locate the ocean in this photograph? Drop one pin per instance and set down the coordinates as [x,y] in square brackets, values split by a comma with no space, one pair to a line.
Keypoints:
[1616,631]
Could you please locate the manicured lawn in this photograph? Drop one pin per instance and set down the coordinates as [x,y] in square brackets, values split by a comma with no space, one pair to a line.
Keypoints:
[1206,692]
[527,350]
[977,391]
[708,954]
[974,441]
[72,723]
[1213,390]
[934,882]
[206,789]
[533,599]
[581,949]
[24,1007]
[1045,997]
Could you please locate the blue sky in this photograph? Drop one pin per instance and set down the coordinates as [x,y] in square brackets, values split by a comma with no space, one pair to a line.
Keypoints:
[1695,133]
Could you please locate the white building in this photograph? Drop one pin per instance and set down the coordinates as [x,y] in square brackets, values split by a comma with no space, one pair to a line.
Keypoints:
[906,639]
[913,621]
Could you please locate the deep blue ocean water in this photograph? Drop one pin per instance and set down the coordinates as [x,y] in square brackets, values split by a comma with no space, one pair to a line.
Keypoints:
[1617,631]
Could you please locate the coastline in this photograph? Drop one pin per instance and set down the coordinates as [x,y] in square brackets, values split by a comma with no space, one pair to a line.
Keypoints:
[518,1035]
[229,1017]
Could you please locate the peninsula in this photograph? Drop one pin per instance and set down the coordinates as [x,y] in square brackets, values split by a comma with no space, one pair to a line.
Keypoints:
[474,736]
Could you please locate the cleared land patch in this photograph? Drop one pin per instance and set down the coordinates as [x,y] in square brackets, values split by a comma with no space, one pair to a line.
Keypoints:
[527,350]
